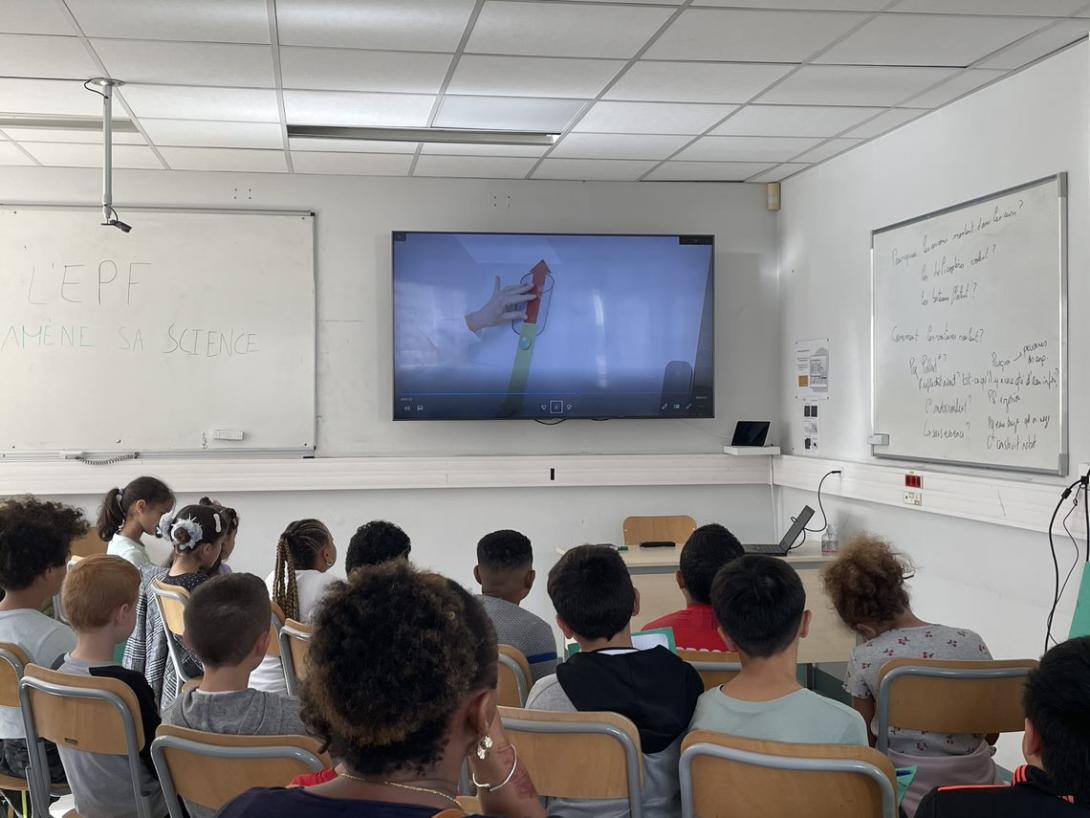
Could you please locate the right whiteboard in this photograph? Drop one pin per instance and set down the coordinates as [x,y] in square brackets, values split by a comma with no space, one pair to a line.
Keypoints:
[969,334]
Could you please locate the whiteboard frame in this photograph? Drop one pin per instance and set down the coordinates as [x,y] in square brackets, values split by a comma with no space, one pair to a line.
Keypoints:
[1060,180]
[106,454]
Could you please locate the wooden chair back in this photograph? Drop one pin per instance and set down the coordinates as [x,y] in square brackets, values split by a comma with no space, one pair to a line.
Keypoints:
[675,529]
[89,545]
[514,677]
[727,777]
[591,756]
[210,769]
[172,600]
[715,667]
[13,660]
[947,696]
[294,652]
[274,631]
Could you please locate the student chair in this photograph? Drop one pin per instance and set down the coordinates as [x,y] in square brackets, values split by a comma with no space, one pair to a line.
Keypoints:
[277,623]
[84,714]
[727,777]
[715,667]
[210,769]
[88,545]
[947,696]
[171,601]
[590,756]
[514,678]
[294,642]
[675,529]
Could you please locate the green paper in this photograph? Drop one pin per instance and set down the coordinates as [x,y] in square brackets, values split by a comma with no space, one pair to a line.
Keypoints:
[1080,623]
[905,777]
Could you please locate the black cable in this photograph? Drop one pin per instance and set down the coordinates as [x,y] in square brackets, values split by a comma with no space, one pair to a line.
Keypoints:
[801,542]
[821,506]
[555,422]
[1055,562]
[1074,542]
[87,85]
[1086,509]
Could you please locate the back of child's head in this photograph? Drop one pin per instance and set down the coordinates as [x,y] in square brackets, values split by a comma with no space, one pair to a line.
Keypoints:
[707,550]
[759,602]
[225,616]
[193,526]
[118,502]
[374,543]
[592,591]
[35,535]
[1057,702]
[866,582]
[95,588]
[297,550]
[395,652]
[230,516]
[505,552]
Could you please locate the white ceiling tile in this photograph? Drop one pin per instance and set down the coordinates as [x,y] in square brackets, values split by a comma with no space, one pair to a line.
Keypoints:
[793,120]
[928,39]
[960,85]
[652,117]
[532,76]
[706,171]
[560,29]
[742,35]
[1038,45]
[828,150]
[351,146]
[780,172]
[344,69]
[34,17]
[155,61]
[480,167]
[400,25]
[592,170]
[634,2]
[451,149]
[507,113]
[695,82]
[746,148]
[191,132]
[65,135]
[357,109]
[11,155]
[237,21]
[893,118]
[28,55]
[231,159]
[801,5]
[64,154]
[184,102]
[854,85]
[617,146]
[67,98]
[1029,8]
[364,164]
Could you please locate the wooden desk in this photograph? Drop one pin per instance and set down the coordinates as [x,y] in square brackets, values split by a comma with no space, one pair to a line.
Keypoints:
[653,570]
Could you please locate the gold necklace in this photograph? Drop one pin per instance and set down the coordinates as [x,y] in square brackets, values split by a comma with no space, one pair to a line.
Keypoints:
[411,787]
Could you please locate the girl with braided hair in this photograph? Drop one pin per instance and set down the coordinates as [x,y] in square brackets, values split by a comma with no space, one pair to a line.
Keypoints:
[402,690]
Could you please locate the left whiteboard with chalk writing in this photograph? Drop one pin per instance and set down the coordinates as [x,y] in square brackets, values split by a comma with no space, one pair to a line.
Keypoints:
[150,341]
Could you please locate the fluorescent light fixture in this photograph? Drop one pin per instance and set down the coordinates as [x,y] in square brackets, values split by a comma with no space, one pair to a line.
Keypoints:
[442,135]
[63,123]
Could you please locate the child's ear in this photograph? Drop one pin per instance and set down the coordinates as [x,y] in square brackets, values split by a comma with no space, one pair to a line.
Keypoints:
[680,580]
[564,629]
[635,601]
[261,646]
[481,712]
[139,506]
[804,625]
[731,647]
[477,574]
[186,642]
[531,575]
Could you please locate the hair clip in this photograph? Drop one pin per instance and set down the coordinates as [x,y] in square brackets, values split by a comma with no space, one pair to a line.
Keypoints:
[162,530]
[219,523]
[192,528]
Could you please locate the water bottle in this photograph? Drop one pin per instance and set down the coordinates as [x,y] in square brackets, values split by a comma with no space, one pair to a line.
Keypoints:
[829,542]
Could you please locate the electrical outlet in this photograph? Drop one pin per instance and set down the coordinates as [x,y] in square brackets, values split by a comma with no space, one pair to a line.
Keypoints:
[913,498]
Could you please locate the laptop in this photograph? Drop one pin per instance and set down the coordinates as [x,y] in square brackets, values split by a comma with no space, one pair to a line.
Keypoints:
[750,433]
[781,548]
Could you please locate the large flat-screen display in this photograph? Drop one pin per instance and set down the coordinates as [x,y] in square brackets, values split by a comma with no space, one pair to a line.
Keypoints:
[505,325]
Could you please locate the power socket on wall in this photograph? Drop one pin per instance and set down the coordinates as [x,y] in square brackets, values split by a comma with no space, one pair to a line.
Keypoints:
[913,498]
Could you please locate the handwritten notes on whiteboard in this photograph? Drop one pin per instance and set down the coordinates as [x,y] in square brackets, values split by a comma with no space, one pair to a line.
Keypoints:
[969,358]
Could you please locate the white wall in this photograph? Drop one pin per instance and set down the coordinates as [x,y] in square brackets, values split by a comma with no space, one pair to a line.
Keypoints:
[997,580]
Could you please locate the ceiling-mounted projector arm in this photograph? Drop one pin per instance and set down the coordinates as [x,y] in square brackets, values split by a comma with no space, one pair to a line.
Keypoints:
[109,215]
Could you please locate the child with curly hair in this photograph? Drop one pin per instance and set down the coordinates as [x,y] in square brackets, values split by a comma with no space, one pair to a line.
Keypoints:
[867,586]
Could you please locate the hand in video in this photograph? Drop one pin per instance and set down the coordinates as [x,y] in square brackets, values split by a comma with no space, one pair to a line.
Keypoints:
[506,304]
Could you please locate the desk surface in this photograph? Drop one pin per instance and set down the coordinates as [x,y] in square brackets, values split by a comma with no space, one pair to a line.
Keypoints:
[644,560]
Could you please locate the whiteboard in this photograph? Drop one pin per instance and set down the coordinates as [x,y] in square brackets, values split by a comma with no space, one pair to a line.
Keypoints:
[969,334]
[151,341]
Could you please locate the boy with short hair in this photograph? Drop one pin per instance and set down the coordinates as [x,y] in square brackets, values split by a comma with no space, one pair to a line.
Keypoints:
[99,598]
[595,602]
[760,604]
[707,550]
[227,625]
[505,571]
[374,543]
[1055,781]
[35,545]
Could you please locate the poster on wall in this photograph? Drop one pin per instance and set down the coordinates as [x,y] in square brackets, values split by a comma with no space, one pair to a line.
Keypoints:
[809,427]
[812,369]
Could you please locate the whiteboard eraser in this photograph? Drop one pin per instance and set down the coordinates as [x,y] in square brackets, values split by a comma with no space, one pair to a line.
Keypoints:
[72,454]
[878,440]
[228,434]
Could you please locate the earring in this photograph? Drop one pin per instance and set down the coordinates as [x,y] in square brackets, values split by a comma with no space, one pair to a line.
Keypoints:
[483,746]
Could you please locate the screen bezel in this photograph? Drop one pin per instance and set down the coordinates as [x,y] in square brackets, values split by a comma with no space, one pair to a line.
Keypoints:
[709,304]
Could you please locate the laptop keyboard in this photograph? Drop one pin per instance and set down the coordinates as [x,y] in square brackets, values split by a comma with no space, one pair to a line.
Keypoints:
[772,549]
